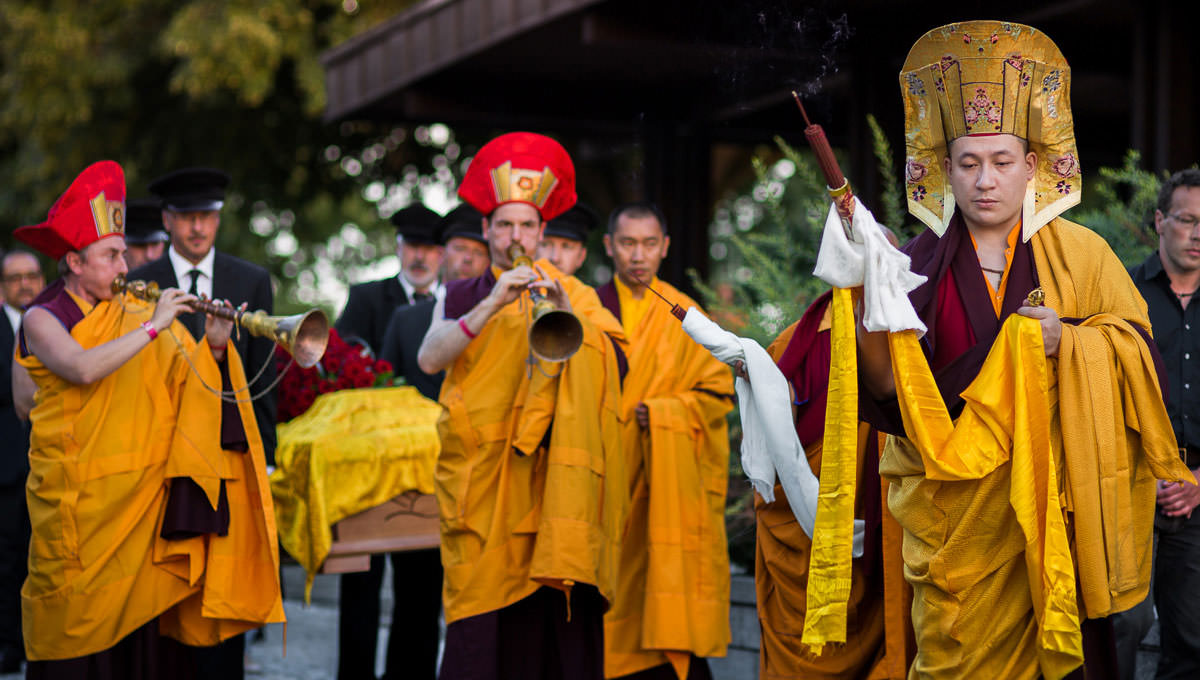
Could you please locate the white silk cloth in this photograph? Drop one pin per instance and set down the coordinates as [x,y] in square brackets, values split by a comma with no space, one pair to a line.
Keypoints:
[770,447]
[867,259]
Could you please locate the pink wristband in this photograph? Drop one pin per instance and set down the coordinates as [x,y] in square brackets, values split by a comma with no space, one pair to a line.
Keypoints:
[149,328]
[463,325]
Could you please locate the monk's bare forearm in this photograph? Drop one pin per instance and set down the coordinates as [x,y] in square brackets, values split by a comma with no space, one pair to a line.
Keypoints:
[51,343]
[446,340]
[23,389]
[875,363]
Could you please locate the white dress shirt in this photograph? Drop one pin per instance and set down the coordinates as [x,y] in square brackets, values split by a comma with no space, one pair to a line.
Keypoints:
[14,317]
[437,289]
[181,266]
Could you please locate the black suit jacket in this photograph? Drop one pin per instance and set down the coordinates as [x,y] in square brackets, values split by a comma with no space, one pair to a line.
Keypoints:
[368,310]
[401,341]
[14,432]
[238,281]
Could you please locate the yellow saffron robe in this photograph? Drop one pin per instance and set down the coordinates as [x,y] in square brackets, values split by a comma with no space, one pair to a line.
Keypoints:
[673,586]
[1035,507]
[101,460]
[517,515]
[879,639]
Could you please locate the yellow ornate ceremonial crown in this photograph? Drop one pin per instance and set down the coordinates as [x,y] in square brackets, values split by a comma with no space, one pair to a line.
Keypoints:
[988,77]
[109,216]
[520,184]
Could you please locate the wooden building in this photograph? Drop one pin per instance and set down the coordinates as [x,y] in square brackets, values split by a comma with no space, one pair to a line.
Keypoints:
[666,100]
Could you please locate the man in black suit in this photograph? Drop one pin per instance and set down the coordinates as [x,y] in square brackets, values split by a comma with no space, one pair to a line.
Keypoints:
[461,234]
[21,280]
[371,304]
[191,211]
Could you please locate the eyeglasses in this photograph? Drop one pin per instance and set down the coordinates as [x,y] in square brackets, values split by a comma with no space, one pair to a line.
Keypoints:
[1189,221]
[32,277]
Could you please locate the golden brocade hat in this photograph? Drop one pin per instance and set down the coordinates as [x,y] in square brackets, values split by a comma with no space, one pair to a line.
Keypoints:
[987,78]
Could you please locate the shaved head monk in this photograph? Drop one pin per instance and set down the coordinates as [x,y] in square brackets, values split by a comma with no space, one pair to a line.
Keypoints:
[530,481]
[672,606]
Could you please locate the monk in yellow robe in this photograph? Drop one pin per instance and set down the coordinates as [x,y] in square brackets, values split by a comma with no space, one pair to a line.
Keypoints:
[1028,429]
[530,482]
[148,498]
[879,638]
[672,606]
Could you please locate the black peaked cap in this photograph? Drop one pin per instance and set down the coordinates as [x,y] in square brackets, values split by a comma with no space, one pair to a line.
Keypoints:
[191,189]
[143,222]
[462,222]
[574,223]
[417,224]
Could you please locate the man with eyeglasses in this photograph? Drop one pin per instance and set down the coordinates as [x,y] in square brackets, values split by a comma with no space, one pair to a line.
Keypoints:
[1169,279]
[20,279]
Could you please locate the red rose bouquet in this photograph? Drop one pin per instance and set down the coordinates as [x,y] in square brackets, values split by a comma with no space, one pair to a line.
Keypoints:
[344,366]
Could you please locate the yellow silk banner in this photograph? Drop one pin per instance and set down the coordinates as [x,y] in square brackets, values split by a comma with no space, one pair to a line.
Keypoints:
[833,532]
[1005,418]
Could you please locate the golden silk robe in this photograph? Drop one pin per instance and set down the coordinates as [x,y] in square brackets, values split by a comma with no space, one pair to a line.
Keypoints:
[1035,507]
[879,639]
[530,482]
[102,457]
[673,582]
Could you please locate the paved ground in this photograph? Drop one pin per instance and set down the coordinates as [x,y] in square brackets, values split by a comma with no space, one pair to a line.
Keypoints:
[312,638]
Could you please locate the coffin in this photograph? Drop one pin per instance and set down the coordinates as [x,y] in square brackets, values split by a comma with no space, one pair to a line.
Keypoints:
[407,522]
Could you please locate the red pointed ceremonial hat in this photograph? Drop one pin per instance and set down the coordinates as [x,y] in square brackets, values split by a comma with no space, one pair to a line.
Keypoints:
[521,167]
[92,208]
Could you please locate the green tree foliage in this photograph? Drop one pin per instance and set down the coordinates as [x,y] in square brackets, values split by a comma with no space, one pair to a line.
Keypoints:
[158,85]
[1119,205]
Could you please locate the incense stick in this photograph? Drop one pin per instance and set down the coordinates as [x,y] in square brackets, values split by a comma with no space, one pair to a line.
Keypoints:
[678,311]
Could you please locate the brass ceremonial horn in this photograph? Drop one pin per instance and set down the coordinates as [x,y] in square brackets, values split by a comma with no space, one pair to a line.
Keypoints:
[554,334]
[304,336]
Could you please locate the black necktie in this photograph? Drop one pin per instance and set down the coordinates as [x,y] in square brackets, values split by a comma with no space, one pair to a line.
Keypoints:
[194,321]
[418,297]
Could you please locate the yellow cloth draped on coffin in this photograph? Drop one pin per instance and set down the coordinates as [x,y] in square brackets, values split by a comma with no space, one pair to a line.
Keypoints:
[350,451]
[978,609]
[878,624]
[673,582]
[98,487]
[515,514]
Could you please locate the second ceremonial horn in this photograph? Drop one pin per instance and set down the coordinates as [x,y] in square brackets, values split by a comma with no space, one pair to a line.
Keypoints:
[554,334]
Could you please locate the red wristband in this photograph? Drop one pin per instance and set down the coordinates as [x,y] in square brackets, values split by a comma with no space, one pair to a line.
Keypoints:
[463,325]
[149,328]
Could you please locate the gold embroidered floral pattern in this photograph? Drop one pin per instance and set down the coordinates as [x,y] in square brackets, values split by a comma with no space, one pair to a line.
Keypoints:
[914,171]
[1066,165]
[982,107]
